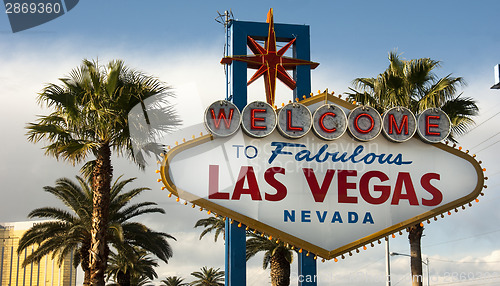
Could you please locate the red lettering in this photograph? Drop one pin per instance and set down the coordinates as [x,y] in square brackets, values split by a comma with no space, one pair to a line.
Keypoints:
[344,186]
[289,126]
[254,119]
[277,185]
[399,130]
[213,184]
[385,191]
[222,115]
[356,125]
[322,124]
[437,196]
[404,179]
[428,125]
[253,188]
[318,192]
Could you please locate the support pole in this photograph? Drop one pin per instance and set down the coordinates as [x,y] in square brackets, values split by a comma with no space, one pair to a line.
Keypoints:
[235,272]
[236,236]
[428,272]
[387,262]
[307,270]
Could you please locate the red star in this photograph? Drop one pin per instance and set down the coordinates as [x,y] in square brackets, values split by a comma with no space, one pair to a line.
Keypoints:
[269,62]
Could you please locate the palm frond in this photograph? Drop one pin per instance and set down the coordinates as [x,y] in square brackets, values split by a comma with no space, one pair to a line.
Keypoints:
[212,223]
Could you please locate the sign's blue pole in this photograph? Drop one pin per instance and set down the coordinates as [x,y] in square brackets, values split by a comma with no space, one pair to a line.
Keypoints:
[236,236]
[235,273]
[307,270]
[239,30]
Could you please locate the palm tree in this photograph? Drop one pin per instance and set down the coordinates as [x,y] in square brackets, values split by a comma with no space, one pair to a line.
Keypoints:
[133,265]
[90,109]
[173,281]
[212,223]
[69,230]
[277,255]
[413,84]
[208,277]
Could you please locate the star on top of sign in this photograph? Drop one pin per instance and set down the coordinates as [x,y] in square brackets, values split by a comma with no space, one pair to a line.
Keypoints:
[269,62]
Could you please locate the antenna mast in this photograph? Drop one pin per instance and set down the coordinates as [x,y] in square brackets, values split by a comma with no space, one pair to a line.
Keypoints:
[225,19]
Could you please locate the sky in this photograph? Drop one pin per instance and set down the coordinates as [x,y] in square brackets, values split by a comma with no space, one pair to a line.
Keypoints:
[180,43]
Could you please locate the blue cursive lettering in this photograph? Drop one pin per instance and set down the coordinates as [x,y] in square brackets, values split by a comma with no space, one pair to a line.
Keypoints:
[322,155]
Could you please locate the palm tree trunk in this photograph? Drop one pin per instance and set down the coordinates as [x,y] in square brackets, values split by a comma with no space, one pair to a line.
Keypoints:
[84,254]
[101,184]
[280,270]
[415,234]
[86,277]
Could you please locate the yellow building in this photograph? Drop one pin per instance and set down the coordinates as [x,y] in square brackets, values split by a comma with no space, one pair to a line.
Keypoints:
[46,273]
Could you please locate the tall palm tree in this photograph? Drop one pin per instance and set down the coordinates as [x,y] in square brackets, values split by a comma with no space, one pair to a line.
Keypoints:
[131,266]
[69,230]
[89,117]
[173,281]
[277,255]
[208,277]
[413,84]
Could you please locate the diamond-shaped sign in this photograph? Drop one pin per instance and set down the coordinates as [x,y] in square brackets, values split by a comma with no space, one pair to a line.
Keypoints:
[327,197]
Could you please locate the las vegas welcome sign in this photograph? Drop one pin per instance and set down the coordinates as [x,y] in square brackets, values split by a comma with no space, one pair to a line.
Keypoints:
[323,174]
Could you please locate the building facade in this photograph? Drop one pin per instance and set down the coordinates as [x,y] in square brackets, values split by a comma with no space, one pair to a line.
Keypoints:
[46,273]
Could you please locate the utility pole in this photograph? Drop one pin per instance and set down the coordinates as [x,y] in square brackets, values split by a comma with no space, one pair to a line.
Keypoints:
[428,271]
[426,263]
[387,262]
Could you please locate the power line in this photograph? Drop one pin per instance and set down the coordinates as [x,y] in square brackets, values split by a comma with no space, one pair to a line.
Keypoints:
[399,281]
[454,240]
[443,260]
[370,263]
[454,261]
[488,146]
[464,238]
[485,140]
[484,121]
